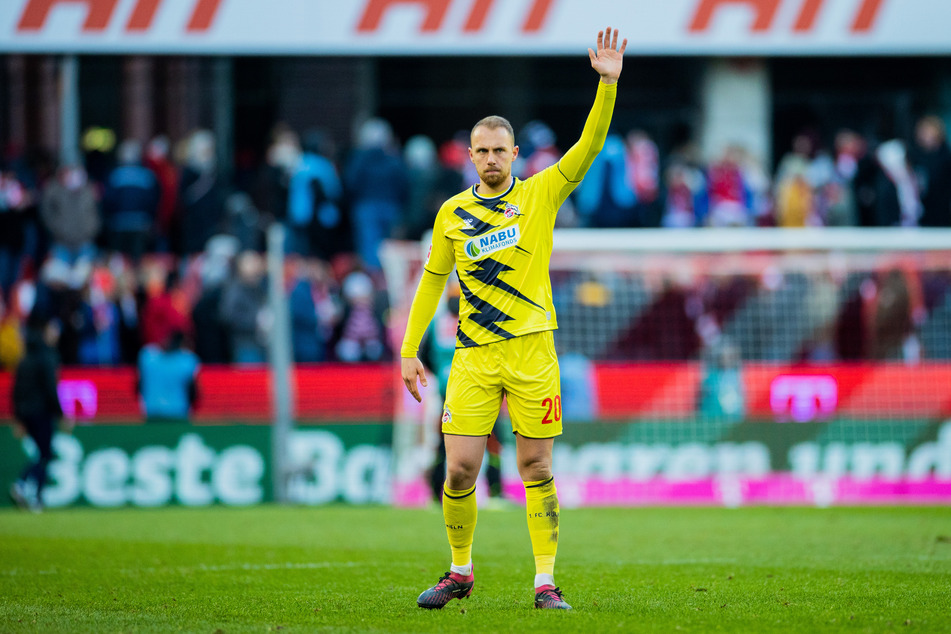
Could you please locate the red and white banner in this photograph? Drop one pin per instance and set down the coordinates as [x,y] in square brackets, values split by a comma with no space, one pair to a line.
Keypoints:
[621,392]
[475,27]
[337,393]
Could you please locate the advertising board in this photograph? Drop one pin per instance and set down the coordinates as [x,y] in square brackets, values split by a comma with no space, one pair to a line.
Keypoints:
[474,27]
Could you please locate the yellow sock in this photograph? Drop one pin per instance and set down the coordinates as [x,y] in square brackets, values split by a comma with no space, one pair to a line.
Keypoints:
[460,510]
[541,504]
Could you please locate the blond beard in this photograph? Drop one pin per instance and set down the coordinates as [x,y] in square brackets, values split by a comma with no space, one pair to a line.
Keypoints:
[494,180]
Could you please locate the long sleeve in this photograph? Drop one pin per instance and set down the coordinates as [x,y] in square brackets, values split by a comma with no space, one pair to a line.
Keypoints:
[579,157]
[421,312]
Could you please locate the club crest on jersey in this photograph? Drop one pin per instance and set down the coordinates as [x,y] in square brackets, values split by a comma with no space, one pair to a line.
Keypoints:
[511,210]
[482,246]
[446,416]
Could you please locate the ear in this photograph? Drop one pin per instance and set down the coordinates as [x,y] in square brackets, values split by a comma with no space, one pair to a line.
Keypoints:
[471,158]
[514,152]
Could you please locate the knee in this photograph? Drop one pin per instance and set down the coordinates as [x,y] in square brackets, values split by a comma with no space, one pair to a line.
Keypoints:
[534,468]
[461,474]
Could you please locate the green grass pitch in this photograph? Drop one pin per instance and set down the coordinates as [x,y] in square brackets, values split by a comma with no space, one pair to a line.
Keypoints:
[346,569]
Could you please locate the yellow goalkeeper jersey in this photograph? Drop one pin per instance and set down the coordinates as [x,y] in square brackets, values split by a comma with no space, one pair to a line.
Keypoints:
[501,247]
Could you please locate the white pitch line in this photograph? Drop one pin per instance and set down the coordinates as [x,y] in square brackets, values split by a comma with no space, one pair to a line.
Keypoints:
[316,565]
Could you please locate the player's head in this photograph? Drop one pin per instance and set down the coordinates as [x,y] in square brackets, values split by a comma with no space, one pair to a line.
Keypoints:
[492,149]
[494,122]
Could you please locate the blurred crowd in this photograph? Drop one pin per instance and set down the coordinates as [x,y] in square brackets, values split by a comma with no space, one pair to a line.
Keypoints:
[846,181]
[147,243]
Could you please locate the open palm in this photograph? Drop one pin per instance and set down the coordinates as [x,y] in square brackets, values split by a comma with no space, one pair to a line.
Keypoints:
[608,59]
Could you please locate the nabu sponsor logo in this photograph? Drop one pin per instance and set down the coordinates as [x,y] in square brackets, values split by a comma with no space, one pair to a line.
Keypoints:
[491,242]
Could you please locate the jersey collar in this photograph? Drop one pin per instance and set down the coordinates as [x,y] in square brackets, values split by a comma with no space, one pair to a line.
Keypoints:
[497,196]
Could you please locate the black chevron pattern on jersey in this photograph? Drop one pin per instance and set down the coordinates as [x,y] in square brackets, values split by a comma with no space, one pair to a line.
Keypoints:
[464,339]
[476,227]
[485,314]
[488,271]
[491,203]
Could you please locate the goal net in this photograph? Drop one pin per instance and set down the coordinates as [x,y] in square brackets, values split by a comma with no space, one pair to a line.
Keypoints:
[733,367]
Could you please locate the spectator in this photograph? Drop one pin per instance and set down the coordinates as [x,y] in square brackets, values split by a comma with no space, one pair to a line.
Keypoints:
[360,335]
[897,311]
[11,325]
[274,180]
[686,198]
[127,298]
[308,338]
[243,301]
[643,176]
[242,222]
[865,180]
[166,311]
[795,203]
[70,213]
[839,192]
[728,191]
[131,203]
[424,173]
[158,160]
[604,198]
[314,198]
[98,145]
[377,187]
[36,406]
[820,309]
[758,184]
[168,380]
[721,388]
[200,193]
[932,161]
[59,295]
[14,203]
[100,334]
[212,337]
[453,159]
[539,147]
[327,300]
[284,160]
[898,202]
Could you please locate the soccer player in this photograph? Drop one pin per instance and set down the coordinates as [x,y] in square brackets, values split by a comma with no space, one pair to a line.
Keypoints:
[498,236]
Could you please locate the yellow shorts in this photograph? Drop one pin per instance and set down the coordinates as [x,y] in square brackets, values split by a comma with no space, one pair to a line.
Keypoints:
[523,369]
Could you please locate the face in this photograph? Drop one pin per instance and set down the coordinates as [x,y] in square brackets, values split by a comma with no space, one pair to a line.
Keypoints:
[492,152]
[928,135]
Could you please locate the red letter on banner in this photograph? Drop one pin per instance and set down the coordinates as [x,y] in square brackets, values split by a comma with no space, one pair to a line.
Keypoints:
[201,19]
[142,15]
[435,12]
[203,15]
[476,19]
[536,17]
[36,11]
[534,20]
[807,15]
[765,12]
[865,18]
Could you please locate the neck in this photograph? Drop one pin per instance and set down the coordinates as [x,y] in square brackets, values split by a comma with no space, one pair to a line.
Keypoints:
[483,189]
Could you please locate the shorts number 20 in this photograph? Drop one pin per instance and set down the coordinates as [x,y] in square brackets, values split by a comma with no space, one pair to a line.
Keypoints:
[554,407]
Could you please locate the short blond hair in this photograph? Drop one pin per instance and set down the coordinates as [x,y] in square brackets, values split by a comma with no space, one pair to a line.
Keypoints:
[494,122]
